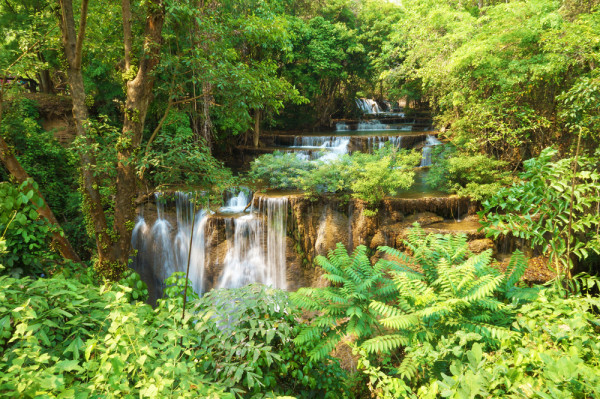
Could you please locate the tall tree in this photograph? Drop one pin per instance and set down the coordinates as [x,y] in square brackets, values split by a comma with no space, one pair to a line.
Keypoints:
[112,242]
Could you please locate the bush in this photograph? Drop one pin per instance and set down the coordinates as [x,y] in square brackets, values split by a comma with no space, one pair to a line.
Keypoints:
[27,236]
[369,177]
[178,158]
[51,165]
[477,176]
[247,345]
[59,337]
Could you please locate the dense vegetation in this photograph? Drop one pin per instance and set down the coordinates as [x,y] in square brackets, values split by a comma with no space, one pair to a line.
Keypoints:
[104,103]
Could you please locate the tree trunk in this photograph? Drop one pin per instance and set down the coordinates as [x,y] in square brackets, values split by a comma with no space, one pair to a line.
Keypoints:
[206,121]
[113,249]
[11,163]
[139,93]
[72,44]
[46,85]
[127,36]
[256,128]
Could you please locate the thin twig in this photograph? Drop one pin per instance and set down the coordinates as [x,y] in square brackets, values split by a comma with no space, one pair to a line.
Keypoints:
[187,272]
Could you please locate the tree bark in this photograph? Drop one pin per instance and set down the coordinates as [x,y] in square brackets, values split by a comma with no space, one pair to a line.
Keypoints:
[73,46]
[206,130]
[12,164]
[139,93]
[256,135]
[127,36]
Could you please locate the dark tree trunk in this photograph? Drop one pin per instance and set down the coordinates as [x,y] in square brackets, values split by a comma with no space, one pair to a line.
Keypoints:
[139,93]
[13,166]
[113,250]
[206,130]
[72,44]
[256,136]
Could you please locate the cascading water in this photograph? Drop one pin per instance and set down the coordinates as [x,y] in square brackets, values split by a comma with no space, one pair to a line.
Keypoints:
[331,146]
[256,245]
[237,203]
[429,144]
[377,142]
[257,253]
[368,106]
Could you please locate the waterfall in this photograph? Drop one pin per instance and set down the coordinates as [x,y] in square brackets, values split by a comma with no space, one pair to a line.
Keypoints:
[333,146]
[429,144]
[256,244]
[368,106]
[342,127]
[237,203]
[257,253]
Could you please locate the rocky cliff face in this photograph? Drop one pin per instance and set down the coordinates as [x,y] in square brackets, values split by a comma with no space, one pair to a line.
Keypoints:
[318,225]
[314,227]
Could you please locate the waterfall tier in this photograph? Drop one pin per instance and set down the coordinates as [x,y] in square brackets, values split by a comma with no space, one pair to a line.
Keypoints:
[223,251]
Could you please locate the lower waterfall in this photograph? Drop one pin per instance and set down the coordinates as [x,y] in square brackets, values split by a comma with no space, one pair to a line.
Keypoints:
[255,245]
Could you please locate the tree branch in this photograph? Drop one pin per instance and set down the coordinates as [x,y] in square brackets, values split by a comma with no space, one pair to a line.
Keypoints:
[81,34]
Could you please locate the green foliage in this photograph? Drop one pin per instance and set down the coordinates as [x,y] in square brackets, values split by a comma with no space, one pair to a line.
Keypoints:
[369,177]
[138,291]
[279,169]
[554,353]
[178,158]
[343,307]
[176,286]
[498,75]
[538,208]
[63,338]
[476,176]
[456,291]
[51,165]
[248,345]
[26,235]
[417,322]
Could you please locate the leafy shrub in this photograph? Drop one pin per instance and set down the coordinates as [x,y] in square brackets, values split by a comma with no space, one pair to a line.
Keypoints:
[176,286]
[51,165]
[554,353]
[138,289]
[279,169]
[456,291]
[178,158]
[416,322]
[369,177]
[476,176]
[247,345]
[27,236]
[538,208]
[343,307]
[63,338]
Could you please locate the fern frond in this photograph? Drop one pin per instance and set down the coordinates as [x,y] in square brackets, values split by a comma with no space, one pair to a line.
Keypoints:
[515,269]
[385,343]
[385,310]
[409,367]
[485,287]
[324,347]
[401,322]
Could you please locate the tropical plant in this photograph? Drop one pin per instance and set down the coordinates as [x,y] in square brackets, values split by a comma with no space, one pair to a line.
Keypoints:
[455,291]
[343,307]
[59,337]
[368,177]
[178,158]
[477,176]
[247,338]
[26,235]
[554,352]
[553,207]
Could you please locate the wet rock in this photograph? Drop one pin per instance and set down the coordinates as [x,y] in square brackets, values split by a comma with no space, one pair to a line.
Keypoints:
[378,240]
[424,218]
[480,245]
